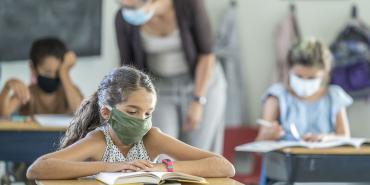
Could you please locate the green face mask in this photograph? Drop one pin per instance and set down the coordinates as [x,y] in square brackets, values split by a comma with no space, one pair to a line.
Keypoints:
[128,129]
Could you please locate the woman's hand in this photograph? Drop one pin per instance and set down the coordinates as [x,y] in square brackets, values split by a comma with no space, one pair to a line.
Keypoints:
[194,116]
[273,132]
[19,89]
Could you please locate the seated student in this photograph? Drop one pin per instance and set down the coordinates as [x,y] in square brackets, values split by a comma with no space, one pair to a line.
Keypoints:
[307,103]
[315,108]
[53,92]
[112,131]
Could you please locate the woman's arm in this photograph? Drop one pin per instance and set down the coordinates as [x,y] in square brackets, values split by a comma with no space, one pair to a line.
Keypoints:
[271,113]
[74,96]
[189,159]
[122,40]
[204,42]
[78,160]
[203,73]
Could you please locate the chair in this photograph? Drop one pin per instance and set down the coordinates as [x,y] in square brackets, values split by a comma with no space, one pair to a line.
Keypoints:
[235,136]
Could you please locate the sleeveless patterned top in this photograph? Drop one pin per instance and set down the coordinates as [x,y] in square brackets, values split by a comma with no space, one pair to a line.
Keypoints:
[113,154]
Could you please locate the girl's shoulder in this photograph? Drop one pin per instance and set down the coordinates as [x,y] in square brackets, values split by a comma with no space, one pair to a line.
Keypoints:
[335,90]
[96,136]
[153,142]
[155,137]
[153,133]
[338,96]
[278,90]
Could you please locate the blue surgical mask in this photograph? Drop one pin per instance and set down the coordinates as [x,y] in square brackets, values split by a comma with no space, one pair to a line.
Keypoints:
[136,17]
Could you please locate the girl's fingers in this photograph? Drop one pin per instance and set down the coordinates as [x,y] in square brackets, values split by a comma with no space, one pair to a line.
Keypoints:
[139,166]
[146,163]
[129,167]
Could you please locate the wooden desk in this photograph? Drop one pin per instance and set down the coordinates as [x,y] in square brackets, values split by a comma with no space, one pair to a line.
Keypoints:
[365,150]
[26,141]
[211,181]
[342,164]
[27,126]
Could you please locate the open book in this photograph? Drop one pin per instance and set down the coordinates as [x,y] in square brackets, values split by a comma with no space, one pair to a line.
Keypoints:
[268,146]
[147,178]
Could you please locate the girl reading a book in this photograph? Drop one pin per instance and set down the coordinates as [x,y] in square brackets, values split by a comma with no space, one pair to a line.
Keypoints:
[112,131]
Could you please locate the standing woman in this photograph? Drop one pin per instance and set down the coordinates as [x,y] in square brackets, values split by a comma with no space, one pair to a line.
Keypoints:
[172,40]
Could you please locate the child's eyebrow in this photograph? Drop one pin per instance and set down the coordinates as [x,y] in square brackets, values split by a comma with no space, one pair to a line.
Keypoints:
[134,106]
[137,107]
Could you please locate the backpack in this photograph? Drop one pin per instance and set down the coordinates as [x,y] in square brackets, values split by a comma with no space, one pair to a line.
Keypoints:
[351,54]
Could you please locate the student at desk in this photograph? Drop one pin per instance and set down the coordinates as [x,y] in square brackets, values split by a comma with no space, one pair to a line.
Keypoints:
[112,131]
[53,91]
[307,108]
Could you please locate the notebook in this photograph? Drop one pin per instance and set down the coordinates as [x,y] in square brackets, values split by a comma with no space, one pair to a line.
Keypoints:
[268,146]
[147,178]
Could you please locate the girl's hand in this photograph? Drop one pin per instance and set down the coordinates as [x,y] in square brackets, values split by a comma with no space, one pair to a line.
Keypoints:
[273,132]
[140,165]
[314,137]
[133,166]
[194,115]
[157,167]
[19,89]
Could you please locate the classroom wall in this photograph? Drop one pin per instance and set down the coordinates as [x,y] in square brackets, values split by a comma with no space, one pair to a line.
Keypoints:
[257,20]
[256,23]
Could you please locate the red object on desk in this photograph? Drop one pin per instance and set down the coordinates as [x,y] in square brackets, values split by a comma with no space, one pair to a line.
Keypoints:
[235,136]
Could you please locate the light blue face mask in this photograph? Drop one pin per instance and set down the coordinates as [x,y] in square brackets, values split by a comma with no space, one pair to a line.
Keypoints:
[136,17]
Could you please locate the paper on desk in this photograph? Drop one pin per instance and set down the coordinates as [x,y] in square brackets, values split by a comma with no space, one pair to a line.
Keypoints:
[265,146]
[53,120]
[268,146]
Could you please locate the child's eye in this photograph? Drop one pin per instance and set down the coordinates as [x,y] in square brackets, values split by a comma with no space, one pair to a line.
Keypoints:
[147,115]
[131,112]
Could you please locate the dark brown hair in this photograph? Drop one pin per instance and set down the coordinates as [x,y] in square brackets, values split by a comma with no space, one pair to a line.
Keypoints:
[45,47]
[114,89]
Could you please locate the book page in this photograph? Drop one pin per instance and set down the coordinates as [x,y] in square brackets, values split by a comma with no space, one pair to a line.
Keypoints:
[267,146]
[146,177]
[355,142]
[179,177]
[126,178]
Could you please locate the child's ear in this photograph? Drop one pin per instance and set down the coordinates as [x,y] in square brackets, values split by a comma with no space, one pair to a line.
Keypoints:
[105,112]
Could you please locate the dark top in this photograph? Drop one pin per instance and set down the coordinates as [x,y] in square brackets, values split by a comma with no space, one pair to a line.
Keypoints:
[195,31]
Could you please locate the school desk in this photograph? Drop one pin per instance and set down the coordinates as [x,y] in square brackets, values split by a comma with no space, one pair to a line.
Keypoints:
[341,164]
[26,141]
[211,181]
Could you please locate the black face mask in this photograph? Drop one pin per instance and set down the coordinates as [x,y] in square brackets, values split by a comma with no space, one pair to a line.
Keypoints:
[47,84]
